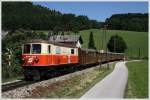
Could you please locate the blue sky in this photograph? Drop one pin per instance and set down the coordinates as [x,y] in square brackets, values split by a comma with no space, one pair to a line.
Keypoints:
[97,10]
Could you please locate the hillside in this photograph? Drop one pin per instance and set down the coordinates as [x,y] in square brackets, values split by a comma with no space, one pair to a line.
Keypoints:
[134,40]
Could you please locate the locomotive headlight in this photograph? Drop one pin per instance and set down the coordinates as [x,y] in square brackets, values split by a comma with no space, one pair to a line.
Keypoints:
[23,60]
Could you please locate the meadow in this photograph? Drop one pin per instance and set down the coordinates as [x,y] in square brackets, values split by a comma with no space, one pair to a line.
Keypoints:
[137,42]
[138,80]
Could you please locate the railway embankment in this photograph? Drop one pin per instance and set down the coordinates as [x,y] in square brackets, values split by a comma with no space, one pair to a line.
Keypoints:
[72,85]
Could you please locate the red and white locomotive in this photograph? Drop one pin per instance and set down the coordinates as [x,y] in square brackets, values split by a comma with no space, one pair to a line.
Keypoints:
[41,57]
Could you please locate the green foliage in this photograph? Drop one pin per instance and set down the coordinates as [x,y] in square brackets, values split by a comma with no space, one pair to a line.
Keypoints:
[14,41]
[117,44]
[91,44]
[25,15]
[131,22]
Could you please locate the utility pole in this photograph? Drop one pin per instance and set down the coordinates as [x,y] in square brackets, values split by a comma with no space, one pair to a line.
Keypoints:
[127,53]
[105,28]
[114,44]
[139,53]
[102,37]
[131,52]
[102,45]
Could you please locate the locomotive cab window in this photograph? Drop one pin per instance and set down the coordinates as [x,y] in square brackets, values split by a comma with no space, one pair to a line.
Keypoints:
[36,48]
[26,48]
[72,51]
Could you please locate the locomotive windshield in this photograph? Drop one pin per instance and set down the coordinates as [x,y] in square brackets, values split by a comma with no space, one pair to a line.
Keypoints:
[35,49]
[27,48]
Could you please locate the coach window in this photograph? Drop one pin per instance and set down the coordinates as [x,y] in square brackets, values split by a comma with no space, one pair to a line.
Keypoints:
[49,49]
[58,50]
[36,48]
[72,51]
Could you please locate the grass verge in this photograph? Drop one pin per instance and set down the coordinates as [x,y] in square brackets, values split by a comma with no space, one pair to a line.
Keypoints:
[12,79]
[138,80]
[74,87]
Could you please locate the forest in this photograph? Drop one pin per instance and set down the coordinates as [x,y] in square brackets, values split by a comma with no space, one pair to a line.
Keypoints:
[25,15]
[130,22]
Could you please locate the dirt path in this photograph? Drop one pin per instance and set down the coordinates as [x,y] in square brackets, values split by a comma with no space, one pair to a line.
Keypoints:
[112,86]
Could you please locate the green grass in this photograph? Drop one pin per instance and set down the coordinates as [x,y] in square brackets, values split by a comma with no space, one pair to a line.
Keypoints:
[138,80]
[12,79]
[134,40]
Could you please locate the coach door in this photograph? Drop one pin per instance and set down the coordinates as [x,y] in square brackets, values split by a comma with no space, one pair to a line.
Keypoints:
[49,54]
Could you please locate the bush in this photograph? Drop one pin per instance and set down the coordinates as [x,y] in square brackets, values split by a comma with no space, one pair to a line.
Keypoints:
[117,44]
[14,42]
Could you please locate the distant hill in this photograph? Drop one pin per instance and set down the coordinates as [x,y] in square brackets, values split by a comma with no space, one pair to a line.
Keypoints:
[25,15]
[133,39]
[130,21]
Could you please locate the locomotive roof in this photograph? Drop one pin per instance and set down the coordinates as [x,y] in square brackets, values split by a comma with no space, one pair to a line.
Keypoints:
[66,38]
[63,44]
[37,41]
[48,42]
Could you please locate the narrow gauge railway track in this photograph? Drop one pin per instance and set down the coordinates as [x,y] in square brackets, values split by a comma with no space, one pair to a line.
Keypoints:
[14,85]
[21,83]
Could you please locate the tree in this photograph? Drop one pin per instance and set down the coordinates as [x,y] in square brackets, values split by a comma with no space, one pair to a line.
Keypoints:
[117,44]
[91,44]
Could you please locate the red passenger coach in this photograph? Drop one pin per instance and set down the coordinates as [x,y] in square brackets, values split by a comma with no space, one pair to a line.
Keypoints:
[40,55]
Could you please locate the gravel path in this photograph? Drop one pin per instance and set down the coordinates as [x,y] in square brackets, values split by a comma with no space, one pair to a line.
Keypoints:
[112,86]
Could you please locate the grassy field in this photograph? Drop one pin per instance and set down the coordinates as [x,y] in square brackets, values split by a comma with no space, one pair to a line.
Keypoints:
[134,40]
[138,80]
